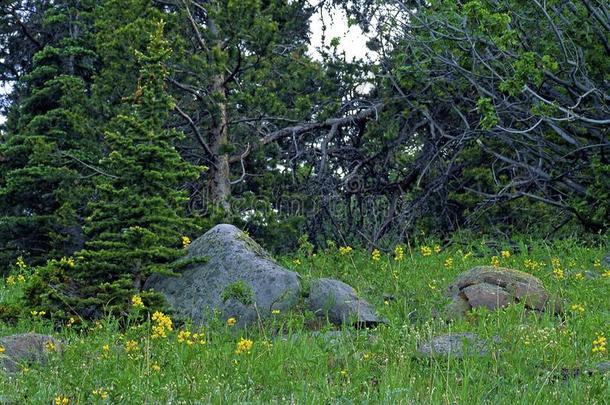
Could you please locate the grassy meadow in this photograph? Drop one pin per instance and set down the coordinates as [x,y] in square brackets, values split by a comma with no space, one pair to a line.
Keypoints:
[537,358]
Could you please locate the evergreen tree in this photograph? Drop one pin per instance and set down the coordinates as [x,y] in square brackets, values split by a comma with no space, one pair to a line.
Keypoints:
[137,224]
[45,156]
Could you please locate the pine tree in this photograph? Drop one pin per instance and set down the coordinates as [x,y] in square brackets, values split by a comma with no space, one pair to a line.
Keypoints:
[138,223]
[45,158]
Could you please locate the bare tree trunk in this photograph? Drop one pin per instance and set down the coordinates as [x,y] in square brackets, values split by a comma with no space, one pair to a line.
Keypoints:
[220,187]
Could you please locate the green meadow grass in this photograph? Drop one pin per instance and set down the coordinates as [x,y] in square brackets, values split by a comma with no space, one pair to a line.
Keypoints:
[532,363]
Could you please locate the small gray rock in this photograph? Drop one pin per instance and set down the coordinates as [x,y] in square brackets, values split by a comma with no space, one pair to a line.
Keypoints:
[455,345]
[239,279]
[340,302]
[603,367]
[26,348]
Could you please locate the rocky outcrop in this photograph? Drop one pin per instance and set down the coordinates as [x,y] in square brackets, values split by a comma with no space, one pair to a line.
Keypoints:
[496,287]
[239,279]
[340,304]
[26,349]
[455,345]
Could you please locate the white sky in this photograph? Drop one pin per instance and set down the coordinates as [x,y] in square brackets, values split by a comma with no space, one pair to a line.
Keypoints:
[352,40]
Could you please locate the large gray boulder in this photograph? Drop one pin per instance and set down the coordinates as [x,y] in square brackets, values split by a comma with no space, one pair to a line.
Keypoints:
[340,303]
[495,288]
[26,349]
[238,279]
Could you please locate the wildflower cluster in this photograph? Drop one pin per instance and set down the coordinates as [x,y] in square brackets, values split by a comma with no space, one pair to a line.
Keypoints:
[163,324]
[425,250]
[532,264]
[2,349]
[597,263]
[189,338]
[449,263]
[231,321]
[67,261]
[38,313]
[243,346]
[186,241]
[578,308]
[557,270]
[399,253]
[345,250]
[505,254]
[18,279]
[495,261]
[61,400]
[100,392]
[131,346]
[599,345]
[136,302]
[376,255]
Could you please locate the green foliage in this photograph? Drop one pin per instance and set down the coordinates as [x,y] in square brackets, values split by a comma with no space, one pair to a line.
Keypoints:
[138,219]
[238,291]
[45,160]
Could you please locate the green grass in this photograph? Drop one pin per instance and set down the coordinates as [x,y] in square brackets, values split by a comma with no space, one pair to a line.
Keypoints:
[289,363]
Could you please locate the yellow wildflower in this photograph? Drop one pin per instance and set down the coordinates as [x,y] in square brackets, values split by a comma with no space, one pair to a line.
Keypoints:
[505,254]
[243,346]
[2,349]
[68,261]
[437,249]
[578,308]
[186,241]
[184,336]
[131,346]
[231,321]
[21,278]
[495,261]
[579,276]
[296,262]
[275,312]
[376,255]
[61,400]
[449,263]
[50,346]
[597,263]
[606,273]
[155,367]
[100,392]
[425,250]
[163,324]
[399,253]
[345,250]
[599,345]
[11,280]
[558,273]
[136,302]
[467,255]
[21,263]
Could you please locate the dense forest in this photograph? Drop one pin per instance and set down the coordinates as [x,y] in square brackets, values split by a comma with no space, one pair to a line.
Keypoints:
[133,126]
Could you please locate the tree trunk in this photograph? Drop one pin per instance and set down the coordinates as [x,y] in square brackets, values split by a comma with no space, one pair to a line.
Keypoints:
[220,187]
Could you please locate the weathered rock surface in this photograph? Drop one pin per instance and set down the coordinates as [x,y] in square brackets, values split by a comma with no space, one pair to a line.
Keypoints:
[494,288]
[239,279]
[455,345]
[603,367]
[26,348]
[340,303]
